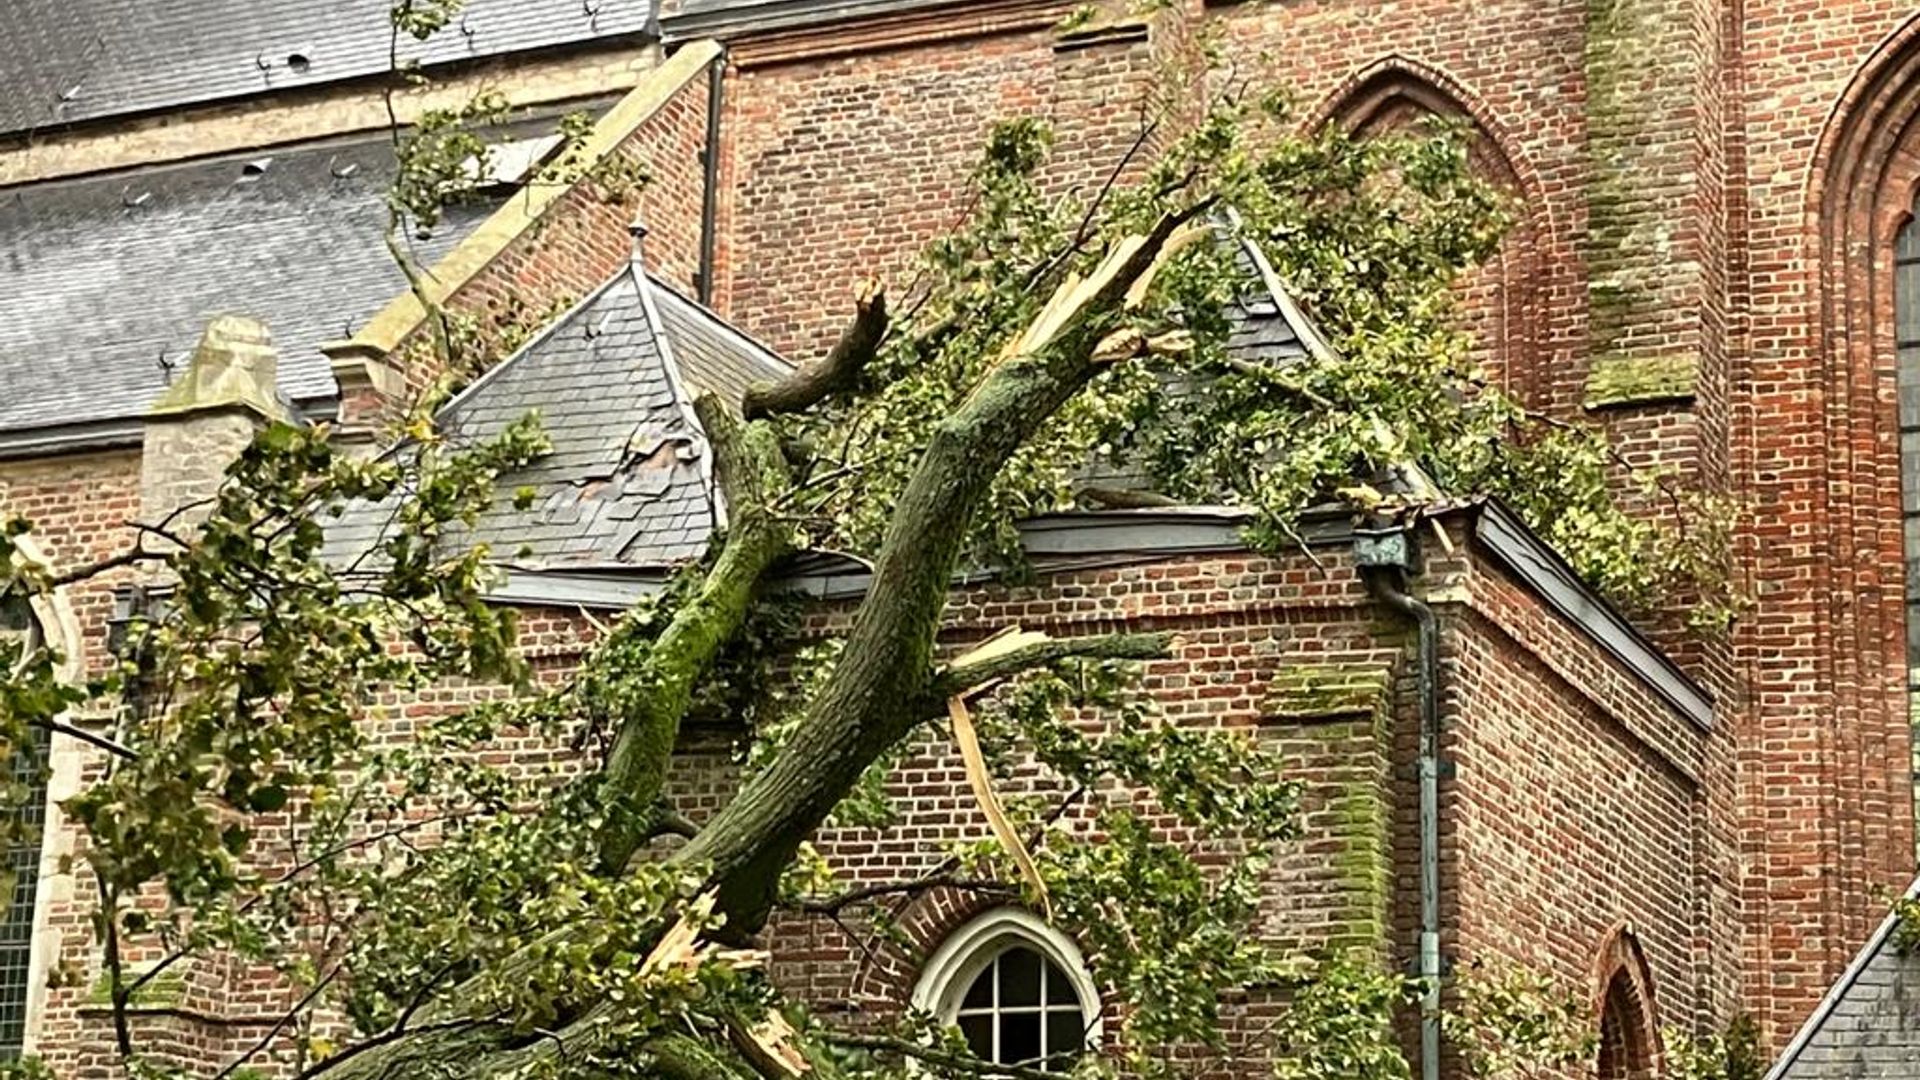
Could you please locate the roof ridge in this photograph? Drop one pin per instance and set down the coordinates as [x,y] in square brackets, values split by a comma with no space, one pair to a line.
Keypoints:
[723,323]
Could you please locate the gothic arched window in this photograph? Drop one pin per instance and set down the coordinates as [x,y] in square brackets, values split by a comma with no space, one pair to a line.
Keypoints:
[29,767]
[1017,990]
[1906,338]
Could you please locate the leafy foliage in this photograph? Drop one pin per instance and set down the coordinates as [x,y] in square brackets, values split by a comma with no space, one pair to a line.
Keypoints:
[434,872]
[1734,1053]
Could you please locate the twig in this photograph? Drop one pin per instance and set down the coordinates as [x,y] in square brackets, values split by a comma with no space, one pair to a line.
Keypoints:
[85,736]
[834,904]
[278,1025]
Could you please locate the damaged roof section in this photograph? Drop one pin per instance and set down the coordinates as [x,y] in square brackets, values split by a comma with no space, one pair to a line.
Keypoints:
[627,482]
[68,61]
[110,279]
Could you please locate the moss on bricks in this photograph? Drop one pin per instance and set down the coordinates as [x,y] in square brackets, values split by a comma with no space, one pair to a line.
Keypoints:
[167,990]
[1326,692]
[1616,381]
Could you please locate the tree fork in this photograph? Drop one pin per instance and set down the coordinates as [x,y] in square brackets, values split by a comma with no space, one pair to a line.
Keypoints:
[889,652]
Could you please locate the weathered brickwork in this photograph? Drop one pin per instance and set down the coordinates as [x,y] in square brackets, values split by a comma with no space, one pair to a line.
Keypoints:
[1705,198]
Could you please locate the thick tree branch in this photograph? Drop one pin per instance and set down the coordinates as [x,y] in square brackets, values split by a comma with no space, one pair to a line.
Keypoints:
[751,471]
[966,676]
[1112,498]
[888,657]
[836,372]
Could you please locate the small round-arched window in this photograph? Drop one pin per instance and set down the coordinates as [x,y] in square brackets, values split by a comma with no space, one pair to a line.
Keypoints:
[1016,988]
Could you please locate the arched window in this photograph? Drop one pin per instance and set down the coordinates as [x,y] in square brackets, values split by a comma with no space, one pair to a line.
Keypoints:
[1624,1054]
[1629,1030]
[1017,989]
[28,767]
[1906,339]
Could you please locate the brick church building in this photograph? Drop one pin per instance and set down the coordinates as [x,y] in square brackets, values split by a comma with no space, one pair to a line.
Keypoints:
[1714,257]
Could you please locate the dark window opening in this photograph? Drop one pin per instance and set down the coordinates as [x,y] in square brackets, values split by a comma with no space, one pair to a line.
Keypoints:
[28,767]
[1022,1010]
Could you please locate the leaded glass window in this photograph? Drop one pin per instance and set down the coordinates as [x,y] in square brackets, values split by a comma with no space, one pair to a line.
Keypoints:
[1017,990]
[1906,302]
[23,861]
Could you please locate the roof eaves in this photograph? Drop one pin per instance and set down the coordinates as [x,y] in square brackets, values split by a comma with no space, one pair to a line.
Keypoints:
[1548,575]
[1838,991]
[71,438]
[728,18]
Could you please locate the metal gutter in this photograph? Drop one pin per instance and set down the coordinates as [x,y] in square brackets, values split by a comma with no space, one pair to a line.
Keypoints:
[561,588]
[72,438]
[1543,571]
[710,196]
[1070,541]
[1385,560]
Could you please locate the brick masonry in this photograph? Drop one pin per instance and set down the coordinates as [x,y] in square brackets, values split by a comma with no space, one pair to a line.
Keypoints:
[1706,196]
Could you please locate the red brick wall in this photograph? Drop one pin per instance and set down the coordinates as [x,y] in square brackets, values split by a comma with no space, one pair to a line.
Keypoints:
[846,165]
[1583,804]
[1685,194]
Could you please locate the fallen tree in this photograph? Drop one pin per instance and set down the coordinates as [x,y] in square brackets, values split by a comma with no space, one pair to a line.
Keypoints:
[435,916]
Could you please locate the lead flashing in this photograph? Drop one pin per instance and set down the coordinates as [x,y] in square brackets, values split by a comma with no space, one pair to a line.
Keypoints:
[1549,577]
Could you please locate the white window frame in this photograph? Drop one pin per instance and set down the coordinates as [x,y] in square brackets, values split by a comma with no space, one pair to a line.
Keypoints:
[60,626]
[951,970]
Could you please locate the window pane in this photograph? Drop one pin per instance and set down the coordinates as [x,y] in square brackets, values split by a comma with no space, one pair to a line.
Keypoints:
[979,1033]
[16,932]
[1906,290]
[1019,977]
[1019,1037]
[980,994]
[1066,1034]
[1908,371]
[1907,244]
[1059,987]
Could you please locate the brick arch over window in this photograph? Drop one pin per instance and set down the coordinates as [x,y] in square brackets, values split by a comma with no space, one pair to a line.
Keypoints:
[1505,299]
[1624,1001]
[1861,186]
[886,976]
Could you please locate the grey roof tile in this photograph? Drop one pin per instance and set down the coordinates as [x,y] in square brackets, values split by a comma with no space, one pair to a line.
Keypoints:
[106,276]
[67,61]
[623,482]
[1867,1028]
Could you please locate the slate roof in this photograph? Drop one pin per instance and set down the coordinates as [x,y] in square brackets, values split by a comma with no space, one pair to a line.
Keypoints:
[627,482]
[106,276]
[1868,1027]
[64,61]
[1267,326]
